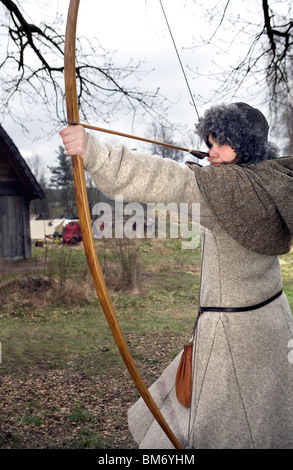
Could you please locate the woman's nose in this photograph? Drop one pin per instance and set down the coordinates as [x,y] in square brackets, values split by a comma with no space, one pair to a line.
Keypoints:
[212,151]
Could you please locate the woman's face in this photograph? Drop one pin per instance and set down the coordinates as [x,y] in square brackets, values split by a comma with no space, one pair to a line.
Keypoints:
[220,154]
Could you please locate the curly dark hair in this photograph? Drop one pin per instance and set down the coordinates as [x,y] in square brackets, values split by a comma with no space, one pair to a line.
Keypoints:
[242,127]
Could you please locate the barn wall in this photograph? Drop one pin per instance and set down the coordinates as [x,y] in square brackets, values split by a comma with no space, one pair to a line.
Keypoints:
[14,233]
[18,187]
[27,249]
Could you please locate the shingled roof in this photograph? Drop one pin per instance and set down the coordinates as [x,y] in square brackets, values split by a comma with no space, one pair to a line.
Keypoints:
[20,167]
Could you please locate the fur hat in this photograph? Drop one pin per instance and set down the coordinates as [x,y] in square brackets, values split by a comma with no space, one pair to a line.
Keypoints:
[242,127]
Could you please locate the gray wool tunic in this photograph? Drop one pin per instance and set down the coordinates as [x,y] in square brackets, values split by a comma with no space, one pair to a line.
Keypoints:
[242,392]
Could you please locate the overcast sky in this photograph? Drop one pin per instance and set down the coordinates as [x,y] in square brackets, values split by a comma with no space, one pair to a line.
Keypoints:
[137,29]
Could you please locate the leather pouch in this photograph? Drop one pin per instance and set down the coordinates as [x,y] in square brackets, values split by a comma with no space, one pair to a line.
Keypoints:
[183,381]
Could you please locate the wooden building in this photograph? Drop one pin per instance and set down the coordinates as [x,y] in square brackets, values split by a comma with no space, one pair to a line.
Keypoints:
[18,187]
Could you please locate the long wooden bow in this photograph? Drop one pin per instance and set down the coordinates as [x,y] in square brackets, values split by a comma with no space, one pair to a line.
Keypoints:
[86,228]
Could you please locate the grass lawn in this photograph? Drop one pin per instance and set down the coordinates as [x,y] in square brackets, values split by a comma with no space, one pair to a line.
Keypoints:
[63,383]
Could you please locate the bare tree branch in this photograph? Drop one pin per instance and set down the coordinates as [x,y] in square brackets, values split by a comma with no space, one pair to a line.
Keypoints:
[32,73]
[268,59]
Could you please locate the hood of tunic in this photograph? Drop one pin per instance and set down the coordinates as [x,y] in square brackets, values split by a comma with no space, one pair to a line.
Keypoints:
[253,203]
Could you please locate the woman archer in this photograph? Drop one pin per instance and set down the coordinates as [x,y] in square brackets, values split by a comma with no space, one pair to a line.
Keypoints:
[242,380]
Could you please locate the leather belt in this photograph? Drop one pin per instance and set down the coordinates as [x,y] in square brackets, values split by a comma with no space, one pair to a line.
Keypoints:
[240,309]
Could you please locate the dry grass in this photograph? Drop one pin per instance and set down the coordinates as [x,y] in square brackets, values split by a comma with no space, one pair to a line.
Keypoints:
[37,292]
